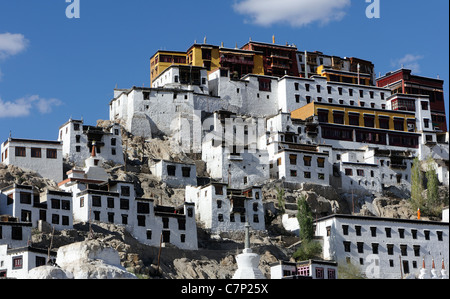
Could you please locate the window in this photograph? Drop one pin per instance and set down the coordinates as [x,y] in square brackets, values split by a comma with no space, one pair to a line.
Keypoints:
[383,122]
[369,121]
[17,262]
[111,217]
[186,172]
[124,204]
[307,160]
[323,115]
[307,175]
[390,249]
[360,172]
[52,153]
[401,232]
[96,201]
[182,223]
[347,246]
[125,190]
[360,246]
[375,248]
[171,169]
[36,153]
[338,117]
[16,233]
[219,190]
[416,249]
[399,124]
[440,235]
[165,221]
[255,218]
[265,84]
[293,173]
[358,230]
[348,172]
[143,207]
[318,88]
[427,234]
[404,250]
[414,233]
[56,204]
[321,176]
[293,159]
[388,232]
[20,152]
[373,231]
[345,230]
[25,198]
[353,119]
[110,202]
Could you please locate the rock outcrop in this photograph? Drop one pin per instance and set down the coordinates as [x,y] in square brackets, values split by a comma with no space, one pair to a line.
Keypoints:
[91,259]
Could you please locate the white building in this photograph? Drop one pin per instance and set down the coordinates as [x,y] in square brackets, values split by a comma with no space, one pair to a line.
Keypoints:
[77,140]
[383,247]
[174,174]
[372,169]
[41,156]
[17,262]
[96,198]
[313,269]
[221,209]
[14,234]
[30,206]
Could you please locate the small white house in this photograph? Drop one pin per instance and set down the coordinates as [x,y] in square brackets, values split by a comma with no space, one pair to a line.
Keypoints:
[78,139]
[17,262]
[14,234]
[222,209]
[41,156]
[174,174]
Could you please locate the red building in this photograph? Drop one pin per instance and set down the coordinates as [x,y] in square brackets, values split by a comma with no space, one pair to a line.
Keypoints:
[402,82]
[277,60]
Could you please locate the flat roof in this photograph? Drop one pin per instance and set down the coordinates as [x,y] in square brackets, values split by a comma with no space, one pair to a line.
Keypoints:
[373,218]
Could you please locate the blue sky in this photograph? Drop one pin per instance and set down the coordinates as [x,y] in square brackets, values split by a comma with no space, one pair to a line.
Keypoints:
[53,68]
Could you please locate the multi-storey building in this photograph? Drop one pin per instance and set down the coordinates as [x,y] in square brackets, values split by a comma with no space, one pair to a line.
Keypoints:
[278,60]
[42,156]
[97,198]
[353,126]
[383,247]
[29,206]
[403,82]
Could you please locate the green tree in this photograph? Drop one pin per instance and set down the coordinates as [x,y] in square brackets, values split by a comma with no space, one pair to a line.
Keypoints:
[305,219]
[309,248]
[417,200]
[432,184]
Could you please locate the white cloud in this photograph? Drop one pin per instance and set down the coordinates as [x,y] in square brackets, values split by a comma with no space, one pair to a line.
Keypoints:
[409,61]
[25,106]
[12,44]
[296,13]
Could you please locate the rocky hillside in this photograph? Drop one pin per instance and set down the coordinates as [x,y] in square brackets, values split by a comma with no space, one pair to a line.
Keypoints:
[216,255]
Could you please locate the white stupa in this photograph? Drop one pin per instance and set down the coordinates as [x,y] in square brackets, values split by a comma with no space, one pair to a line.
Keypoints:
[248,261]
[434,273]
[444,274]
[424,272]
